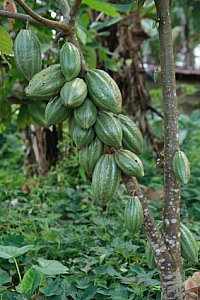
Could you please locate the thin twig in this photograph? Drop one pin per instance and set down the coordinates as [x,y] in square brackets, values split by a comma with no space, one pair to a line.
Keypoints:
[44,21]
[74,11]
[17,16]
[155,110]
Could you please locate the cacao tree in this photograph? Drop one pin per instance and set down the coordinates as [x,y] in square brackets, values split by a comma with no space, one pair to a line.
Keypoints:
[107,140]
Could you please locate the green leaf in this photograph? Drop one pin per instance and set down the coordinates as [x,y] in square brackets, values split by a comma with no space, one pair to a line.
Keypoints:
[120,293]
[89,293]
[30,282]
[52,288]
[67,290]
[102,7]
[6,43]
[90,56]
[82,35]
[100,25]
[7,252]
[4,277]
[51,267]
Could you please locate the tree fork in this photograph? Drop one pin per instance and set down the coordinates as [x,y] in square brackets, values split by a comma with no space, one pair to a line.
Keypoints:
[171,277]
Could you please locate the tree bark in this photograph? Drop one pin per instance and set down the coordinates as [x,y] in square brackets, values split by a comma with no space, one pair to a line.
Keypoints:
[171,277]
[42,151]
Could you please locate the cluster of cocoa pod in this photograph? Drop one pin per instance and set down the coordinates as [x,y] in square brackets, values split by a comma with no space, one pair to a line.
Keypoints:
[107,140]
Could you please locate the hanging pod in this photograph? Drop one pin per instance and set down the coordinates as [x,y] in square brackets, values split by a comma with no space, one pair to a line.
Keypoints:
[70,61]
[27,53]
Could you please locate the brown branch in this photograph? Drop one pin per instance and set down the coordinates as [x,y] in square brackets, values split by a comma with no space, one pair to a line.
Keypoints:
[74,11]
[155,110]
[18,16]
[171,210]
[46,22]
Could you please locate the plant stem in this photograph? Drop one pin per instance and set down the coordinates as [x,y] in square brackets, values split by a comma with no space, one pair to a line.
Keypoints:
[173,286]
[49,23]
[74,11]
[17,267]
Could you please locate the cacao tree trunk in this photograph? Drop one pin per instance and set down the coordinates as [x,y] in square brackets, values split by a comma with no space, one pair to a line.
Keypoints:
[42,151]
[171,276]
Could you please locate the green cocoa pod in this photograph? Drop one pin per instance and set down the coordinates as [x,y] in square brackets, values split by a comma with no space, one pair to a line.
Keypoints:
[181,167]
[74,92]
[46,83]
[82,137]
[27,53]
[132,137]
[89,155]
[105,179]
[189,248]
[70,61]
[104,90]
[108,129]
[71,124]
[86,114]
[56,112]
[133,215]
[129,163]
[150,257]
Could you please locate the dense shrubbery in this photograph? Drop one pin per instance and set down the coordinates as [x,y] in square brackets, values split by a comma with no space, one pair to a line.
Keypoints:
[57,215]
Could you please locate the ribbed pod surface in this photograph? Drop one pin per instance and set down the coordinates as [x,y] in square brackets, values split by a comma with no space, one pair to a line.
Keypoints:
[27,50]
[181,167]
[82,137]
[106,179]
[108,129]
[55,112]
[103,90]
[86,114]
[89,155]
[150,257]
[189,248]
[129,163]
[132,137]
[74,92]
[70,61]
[47,82]
[133,215]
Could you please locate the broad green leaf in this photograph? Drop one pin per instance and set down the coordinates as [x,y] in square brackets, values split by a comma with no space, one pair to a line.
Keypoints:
[30,282]
[51,267]
[82,35]
[4,277]
[12,251]
[102,7]
[89,293]
[53,288]
[124,7]
[67,290]
[100,25]
[90,56]
[120,293]
[6,43]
